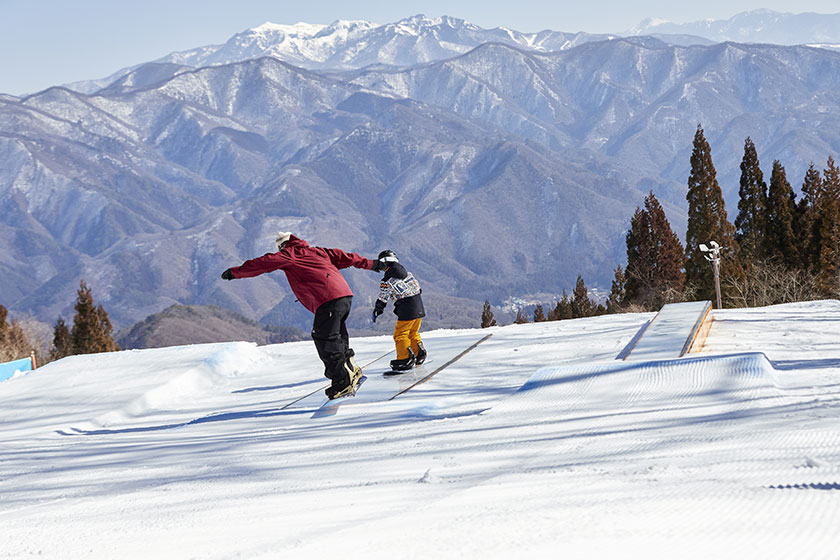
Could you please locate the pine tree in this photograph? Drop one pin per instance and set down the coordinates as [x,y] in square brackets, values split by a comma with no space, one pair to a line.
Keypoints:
[487,319]
[750,224]
[655,257]
[808,232]
[62,344]
[521,318]
[581,304]
[539,314]
[780,241]
[828,210]
[563,309]
[617,291]
[91,331]
[707,222]
[638,259]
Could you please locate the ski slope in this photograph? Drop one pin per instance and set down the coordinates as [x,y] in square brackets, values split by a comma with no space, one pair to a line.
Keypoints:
[537,443]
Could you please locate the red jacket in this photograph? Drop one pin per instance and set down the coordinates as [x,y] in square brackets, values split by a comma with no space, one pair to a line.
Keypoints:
[312,271]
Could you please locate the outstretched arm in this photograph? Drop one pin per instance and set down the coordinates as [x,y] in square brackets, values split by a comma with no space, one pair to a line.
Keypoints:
[342,259]
[254,267]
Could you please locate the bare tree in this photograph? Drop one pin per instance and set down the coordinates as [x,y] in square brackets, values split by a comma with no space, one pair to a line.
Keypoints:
[770,283]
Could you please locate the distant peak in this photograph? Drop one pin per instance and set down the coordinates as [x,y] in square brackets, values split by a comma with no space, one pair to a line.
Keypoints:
[760,12]
[421,20]
[654,21]
[352,23]
[300,28]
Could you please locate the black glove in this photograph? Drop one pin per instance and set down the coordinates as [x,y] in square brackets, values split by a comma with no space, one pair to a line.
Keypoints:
[227,275]
[379,266]
[377,310]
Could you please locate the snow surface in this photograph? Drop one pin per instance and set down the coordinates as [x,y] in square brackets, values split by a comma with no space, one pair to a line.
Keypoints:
[536,444]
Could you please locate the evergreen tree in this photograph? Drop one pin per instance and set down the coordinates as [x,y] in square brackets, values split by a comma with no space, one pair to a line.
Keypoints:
[487,319]
[539,314]
[638,259]
[750,224]
[521,318]
[670,255]
[62,344]
[780,241]
[581,304]
[563,309]
[91,331]
[828,209]
[808,222]
[617,291]
[655,257]
[707,222]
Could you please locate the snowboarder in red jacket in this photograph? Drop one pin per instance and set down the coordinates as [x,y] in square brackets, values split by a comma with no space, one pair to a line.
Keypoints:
[314,277]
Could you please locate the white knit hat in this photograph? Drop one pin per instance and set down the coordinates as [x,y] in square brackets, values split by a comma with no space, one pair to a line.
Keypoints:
[282,238]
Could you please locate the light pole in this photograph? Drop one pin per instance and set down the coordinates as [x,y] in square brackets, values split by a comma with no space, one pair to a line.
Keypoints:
[713,256]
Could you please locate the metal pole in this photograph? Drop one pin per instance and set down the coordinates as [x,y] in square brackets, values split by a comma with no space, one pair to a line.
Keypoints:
[713,255]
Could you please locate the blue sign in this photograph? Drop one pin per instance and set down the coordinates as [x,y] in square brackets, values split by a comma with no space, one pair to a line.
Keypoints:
[8,369]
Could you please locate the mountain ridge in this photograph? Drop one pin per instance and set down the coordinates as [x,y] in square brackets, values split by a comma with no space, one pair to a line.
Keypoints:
[753,26]
[498,173]
[367,44]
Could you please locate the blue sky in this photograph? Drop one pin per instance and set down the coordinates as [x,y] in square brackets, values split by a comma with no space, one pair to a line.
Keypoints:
[50,42]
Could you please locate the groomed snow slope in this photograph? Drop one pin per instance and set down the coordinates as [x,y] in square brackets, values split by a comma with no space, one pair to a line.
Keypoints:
[537,443]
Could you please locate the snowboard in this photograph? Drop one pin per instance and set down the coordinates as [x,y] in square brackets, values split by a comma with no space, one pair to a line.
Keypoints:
[397,372]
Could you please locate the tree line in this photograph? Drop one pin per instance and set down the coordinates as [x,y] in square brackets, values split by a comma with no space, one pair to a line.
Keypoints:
[778,250]
[578,305]
[91,332]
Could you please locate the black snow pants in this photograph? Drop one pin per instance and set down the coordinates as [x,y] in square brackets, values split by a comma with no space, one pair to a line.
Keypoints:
[330,335]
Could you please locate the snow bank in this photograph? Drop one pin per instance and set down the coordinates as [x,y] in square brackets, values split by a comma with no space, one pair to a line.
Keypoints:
[184,391]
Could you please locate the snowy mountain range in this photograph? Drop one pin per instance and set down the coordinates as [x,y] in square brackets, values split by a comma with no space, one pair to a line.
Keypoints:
[756,26]
[355,44]
[503,171]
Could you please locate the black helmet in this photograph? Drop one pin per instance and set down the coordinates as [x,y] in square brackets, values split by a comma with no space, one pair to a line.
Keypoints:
[387,256]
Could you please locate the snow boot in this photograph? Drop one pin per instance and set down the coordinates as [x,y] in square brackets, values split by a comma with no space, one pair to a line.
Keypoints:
[347,381]
[421,354]
[405,364]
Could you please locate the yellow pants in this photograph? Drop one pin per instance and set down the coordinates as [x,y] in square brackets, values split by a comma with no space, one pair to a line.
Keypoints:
[407,335]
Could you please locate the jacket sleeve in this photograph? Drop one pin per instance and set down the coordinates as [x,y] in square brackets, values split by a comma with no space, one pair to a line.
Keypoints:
[260,265]
[340,259]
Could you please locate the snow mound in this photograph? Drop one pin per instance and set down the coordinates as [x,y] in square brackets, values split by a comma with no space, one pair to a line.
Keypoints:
[181,394]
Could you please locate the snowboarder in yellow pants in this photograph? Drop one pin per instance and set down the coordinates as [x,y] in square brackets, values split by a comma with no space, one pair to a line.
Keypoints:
[401,286]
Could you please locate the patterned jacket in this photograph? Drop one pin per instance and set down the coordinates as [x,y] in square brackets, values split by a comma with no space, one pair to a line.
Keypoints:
[402,288]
